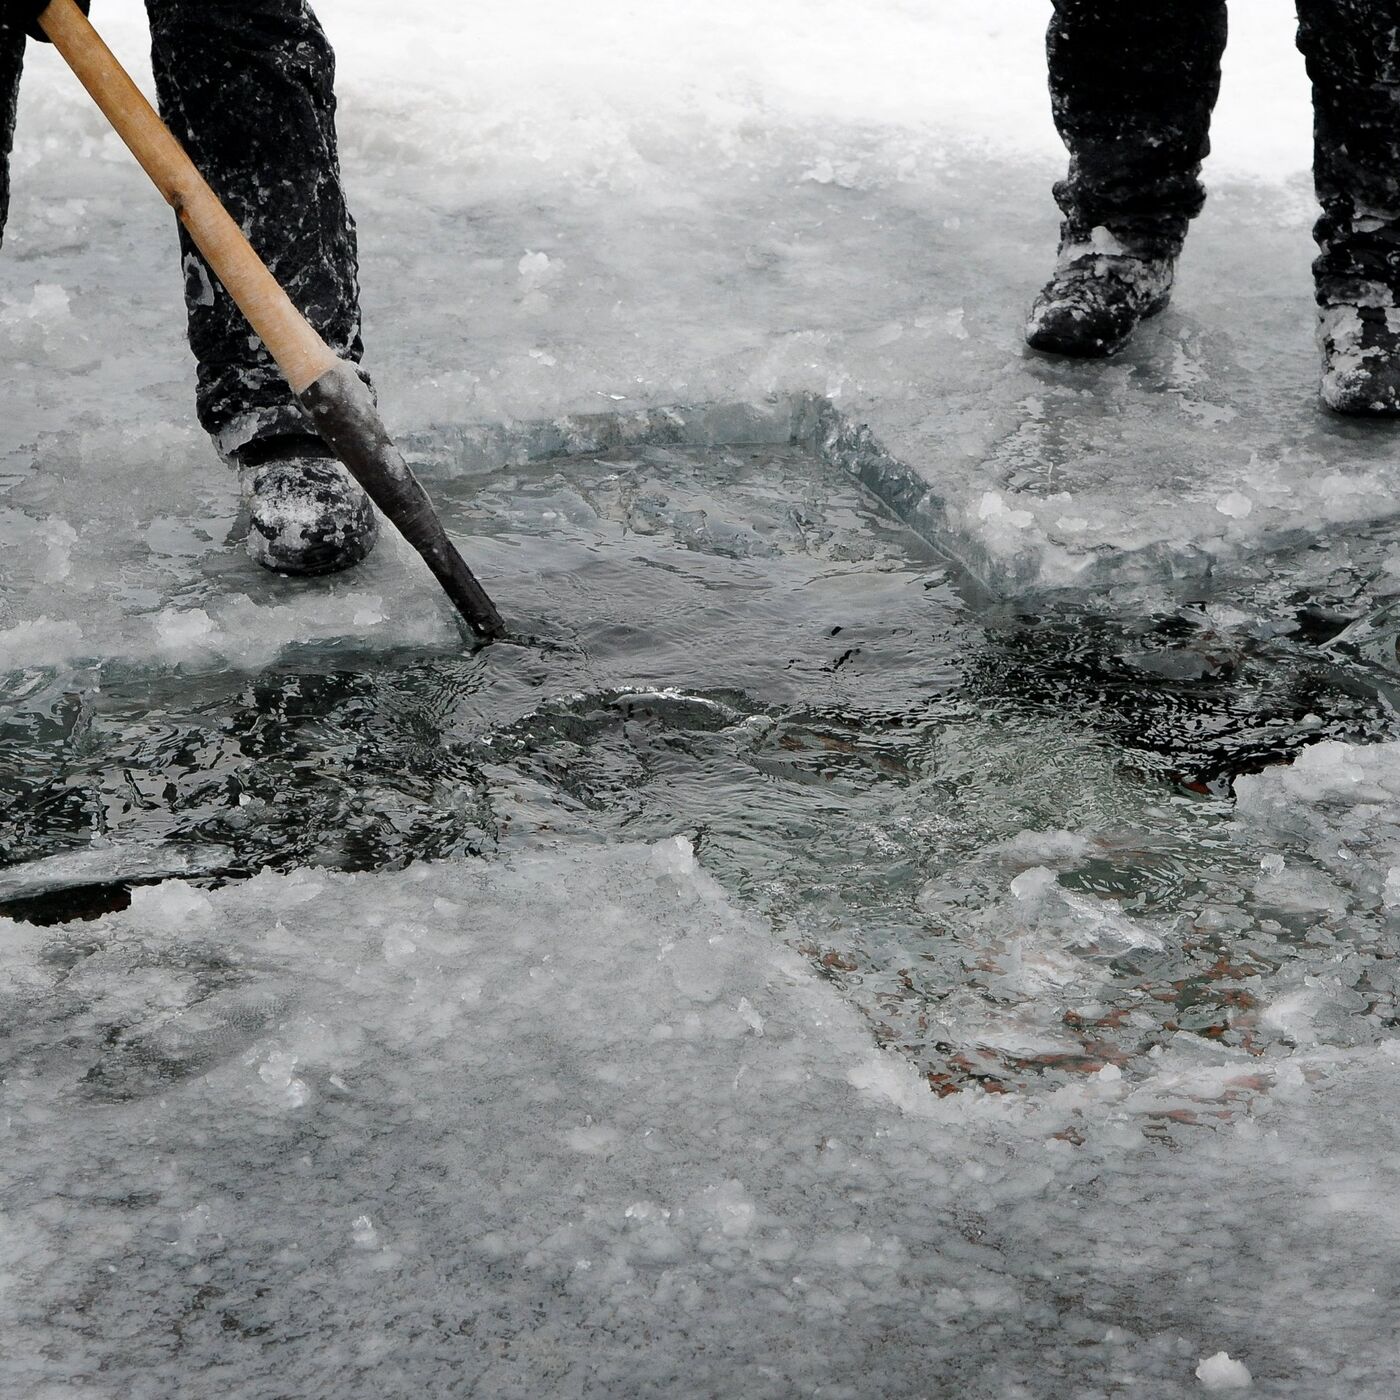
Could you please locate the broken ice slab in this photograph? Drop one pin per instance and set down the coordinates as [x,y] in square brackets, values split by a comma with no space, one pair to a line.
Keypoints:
[457,449]
[1009,531]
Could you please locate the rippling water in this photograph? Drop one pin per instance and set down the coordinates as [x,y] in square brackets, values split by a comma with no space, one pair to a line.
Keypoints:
[742,646]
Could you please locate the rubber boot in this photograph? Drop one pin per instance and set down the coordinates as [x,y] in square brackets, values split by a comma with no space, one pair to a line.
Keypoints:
[1099,293]
[307,515]
[1360,345]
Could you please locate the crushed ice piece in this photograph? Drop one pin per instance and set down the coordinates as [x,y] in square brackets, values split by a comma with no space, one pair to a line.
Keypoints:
[181,629]
[44,639]
[1043,848]
[1234,504]
[276,1073]
[59,537]
[172,904]
[370,613]
[1032,884]
[674,856]
[992,507]
[535,268]
[730,1207]
[750,1017]
[1390,892]
[1294,1015]
[48,302]
[1222,1372]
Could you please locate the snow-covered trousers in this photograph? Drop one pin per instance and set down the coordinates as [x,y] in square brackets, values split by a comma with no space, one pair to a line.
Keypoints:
[247,87]
[1132,87]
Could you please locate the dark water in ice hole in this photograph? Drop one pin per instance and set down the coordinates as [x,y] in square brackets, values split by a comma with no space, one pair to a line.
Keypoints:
[749,650]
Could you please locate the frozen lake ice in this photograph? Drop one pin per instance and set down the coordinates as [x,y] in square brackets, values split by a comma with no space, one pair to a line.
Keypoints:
[805,974]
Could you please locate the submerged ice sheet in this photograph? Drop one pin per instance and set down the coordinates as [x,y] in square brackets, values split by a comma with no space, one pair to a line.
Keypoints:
[573,1123]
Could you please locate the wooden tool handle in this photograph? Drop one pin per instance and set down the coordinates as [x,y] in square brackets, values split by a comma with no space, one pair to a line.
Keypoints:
[300,353]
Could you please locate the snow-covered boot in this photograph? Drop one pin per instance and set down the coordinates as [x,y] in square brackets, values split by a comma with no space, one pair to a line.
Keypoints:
[1100,291]
[1360,358]
[307,515]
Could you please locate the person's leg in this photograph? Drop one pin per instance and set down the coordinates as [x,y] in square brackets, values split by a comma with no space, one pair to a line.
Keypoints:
[11,62]
[248,88]
[1352,48]
[1132,88]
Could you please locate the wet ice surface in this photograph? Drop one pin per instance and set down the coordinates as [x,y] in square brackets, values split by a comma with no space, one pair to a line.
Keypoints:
[768,796]
[740,645]
[582,1117]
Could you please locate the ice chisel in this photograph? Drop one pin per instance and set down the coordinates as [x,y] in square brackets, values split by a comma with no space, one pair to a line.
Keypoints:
[328,387]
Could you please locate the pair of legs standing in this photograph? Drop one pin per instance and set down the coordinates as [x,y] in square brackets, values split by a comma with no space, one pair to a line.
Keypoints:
[1132,89]
[247,86]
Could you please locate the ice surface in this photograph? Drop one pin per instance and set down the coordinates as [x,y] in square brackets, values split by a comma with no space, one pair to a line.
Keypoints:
[569,210]
[573,1123]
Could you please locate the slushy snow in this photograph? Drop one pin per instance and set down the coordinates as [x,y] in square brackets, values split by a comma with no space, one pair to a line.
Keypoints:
[566,210]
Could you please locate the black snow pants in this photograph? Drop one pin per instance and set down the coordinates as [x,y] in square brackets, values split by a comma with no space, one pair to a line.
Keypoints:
[247,87]
[1132,87]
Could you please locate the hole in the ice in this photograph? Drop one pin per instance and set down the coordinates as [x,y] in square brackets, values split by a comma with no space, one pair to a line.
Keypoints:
[749,648]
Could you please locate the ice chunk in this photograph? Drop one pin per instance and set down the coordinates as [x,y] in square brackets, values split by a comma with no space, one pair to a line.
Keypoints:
[675,856]
[1042,847]
[39,641]
[1234,504]
[184,630]
[172,905]
[1032,884]
[47,302]
[1390,894]
[1222,1372]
